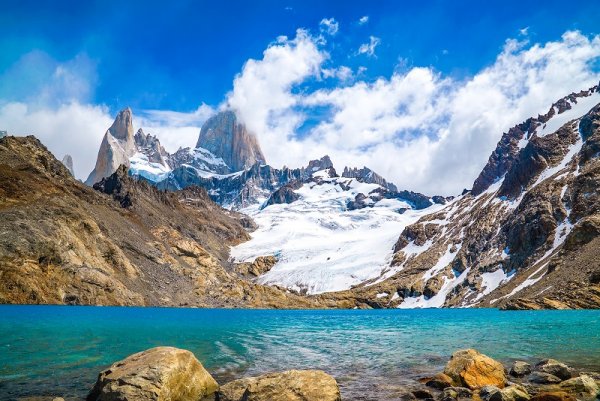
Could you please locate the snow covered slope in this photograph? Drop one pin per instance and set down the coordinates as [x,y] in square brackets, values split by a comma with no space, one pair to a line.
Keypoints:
[320,244]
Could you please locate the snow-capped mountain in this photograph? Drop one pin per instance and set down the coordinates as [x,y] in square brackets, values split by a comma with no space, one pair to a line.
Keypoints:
[522,236]
[526,236]
[322,241]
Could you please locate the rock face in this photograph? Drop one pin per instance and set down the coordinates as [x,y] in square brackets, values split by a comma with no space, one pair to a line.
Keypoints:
[365,174]
[293,385]
[474,370]
[68,162]
[117,146]
[158,374]
[150,146]
[228,138]
[126,243]
[527,235]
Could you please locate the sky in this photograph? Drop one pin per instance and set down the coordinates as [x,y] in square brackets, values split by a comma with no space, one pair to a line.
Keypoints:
[418,91]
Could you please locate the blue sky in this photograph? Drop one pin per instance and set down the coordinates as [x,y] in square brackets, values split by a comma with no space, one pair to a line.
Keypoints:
[175,55]
[166,57]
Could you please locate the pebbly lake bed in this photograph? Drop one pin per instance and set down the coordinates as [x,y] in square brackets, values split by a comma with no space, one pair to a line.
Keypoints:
[373,354]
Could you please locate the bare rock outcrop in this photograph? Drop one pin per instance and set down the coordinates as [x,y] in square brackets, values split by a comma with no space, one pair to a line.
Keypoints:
[225,136]
[117,146]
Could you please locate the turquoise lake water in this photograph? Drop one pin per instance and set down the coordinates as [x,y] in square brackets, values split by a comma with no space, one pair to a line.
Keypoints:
[54,350]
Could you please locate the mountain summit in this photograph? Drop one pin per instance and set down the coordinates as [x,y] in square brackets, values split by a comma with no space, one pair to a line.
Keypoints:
[228,138]
[118,145]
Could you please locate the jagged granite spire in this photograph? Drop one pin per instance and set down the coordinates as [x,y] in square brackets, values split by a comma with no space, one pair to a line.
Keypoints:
[68,162]
[118,145]
[228,138]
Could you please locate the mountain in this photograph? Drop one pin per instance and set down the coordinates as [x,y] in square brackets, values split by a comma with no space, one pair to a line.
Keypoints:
[526,235]
[328,233]
[226,137]
[68,162]
[117,146]
[123,242]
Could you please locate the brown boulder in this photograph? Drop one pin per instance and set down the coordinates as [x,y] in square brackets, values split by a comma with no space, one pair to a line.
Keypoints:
[157,374]
[292,385]
[475,370]
[439,381]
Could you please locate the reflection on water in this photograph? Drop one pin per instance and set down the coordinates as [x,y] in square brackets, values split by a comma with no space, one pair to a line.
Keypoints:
[49,350]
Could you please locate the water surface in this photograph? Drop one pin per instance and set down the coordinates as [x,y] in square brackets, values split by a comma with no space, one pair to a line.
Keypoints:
[58,350]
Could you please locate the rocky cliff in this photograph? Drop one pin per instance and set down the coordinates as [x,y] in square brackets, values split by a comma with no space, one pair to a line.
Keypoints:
[525,236]
[117,146]
[228,138]
[122,243]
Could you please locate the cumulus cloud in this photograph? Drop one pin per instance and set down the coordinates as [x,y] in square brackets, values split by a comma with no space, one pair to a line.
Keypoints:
[329,26]
[423,131]
[369,48]
[363,20]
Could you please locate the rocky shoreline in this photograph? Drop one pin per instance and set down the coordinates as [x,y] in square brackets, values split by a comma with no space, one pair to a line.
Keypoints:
[172,374]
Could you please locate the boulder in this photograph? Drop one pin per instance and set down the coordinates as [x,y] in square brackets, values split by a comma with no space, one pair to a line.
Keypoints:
[555,368]
[439,381]
[515,392]
[520,369]
[292,385]
[454,393]
[553,396]
[474,370]
[543,378]
[583,385]
[490,393]
[157,374]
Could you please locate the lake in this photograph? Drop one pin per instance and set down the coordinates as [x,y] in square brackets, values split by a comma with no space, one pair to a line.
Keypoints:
[59,350]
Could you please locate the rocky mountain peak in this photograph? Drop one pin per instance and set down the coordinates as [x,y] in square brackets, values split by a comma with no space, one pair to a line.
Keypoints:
[323,163]
[225,136]
[117,146]
[507,151]
[122,127]
[367,175]
[68,162]
[150,146]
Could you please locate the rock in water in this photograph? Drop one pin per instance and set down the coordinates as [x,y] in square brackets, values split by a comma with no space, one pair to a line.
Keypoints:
[474,370]
[293,385]
[118,145]
[520,369]
[157,374]
[68,162]
[582,385]
[555,368]
[226,137]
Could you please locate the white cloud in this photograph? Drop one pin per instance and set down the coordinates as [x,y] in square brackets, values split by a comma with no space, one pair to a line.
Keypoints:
[423,131]
[262,92]
[369,48]
[363,20]
[72,128]
[329,26]
[524,31]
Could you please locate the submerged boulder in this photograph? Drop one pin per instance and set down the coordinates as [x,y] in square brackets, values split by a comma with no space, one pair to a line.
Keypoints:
[157,374]
[474,370]
[292,385]
[555,368]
